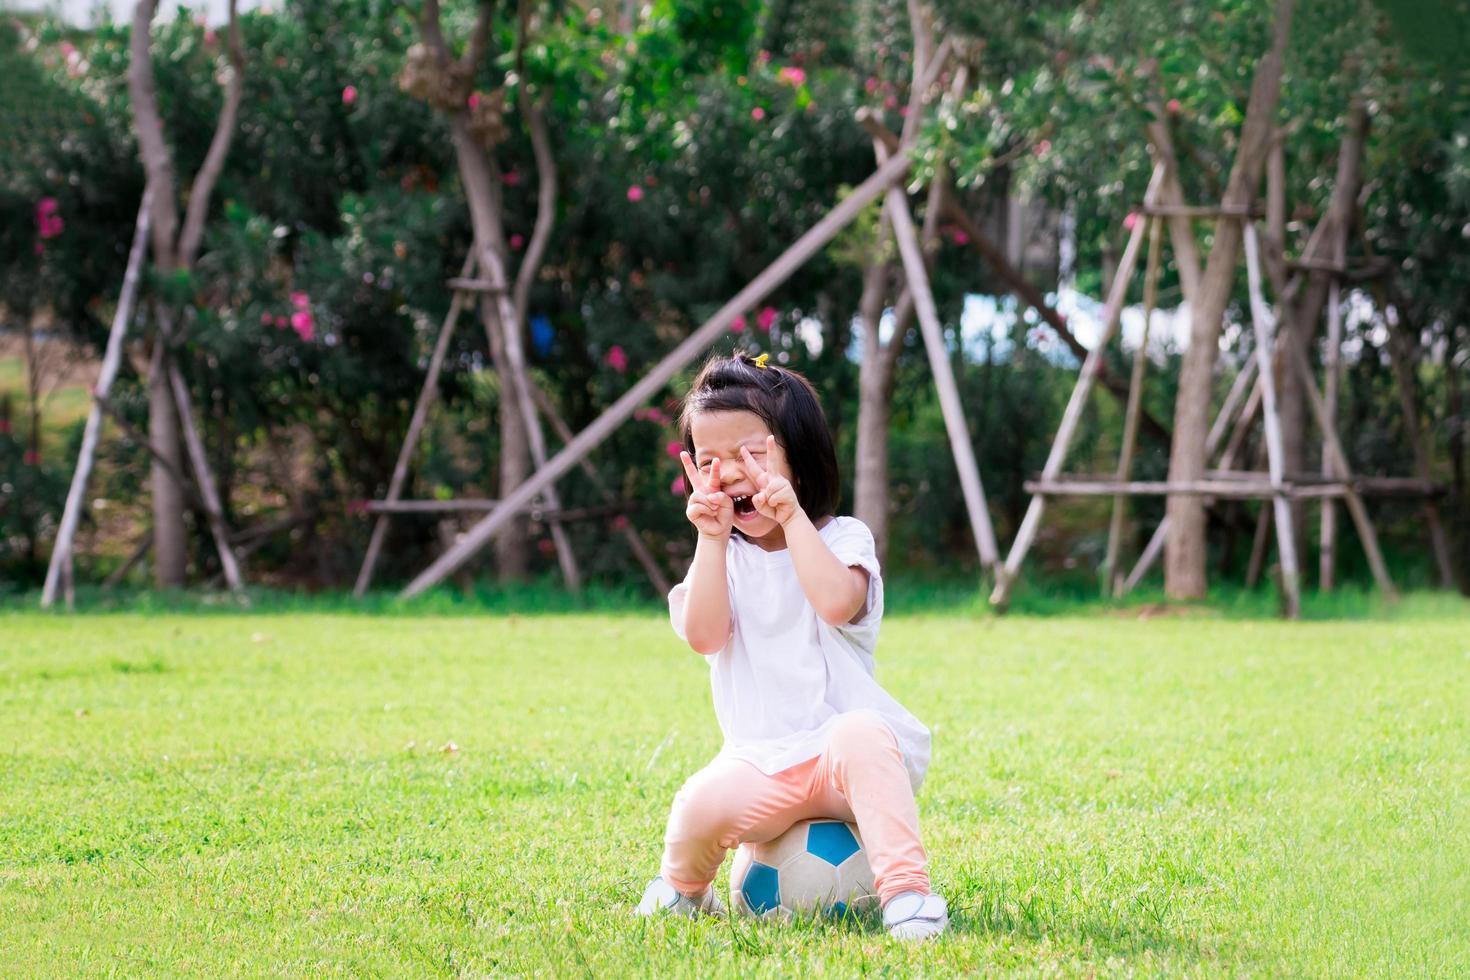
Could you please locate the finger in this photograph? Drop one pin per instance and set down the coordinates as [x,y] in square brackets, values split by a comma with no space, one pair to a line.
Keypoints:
[714,476]
[753,466]
[776,456]
[690,473]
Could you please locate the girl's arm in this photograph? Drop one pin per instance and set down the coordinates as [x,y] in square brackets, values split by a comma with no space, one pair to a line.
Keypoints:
[707,607]
[836,591]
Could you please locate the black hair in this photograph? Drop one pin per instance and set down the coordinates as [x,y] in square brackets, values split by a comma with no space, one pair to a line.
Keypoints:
[788,404]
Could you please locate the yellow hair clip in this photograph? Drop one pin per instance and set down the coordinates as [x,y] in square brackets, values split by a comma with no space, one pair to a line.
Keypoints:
[760,362]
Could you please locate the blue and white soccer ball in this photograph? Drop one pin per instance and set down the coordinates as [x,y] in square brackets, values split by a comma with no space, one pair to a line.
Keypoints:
[816,866]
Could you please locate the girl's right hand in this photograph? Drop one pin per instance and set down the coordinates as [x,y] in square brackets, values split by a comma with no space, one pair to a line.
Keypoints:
[710,510]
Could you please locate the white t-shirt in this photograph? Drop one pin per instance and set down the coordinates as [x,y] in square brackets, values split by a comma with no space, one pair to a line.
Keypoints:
[784,676]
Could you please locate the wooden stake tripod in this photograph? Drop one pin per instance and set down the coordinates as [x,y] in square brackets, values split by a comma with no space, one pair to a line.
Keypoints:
[467,291]
[1275,485]
[59,574]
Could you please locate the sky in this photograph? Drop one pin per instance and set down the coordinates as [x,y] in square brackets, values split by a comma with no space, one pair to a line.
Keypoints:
[86,12]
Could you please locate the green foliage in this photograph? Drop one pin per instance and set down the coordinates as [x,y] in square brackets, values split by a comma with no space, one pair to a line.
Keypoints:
[689,154]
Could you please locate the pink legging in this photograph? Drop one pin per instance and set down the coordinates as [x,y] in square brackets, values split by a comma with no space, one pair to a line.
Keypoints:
[859,777]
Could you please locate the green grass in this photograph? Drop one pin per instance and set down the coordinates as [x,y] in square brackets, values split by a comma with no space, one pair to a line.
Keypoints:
[268,793]
[60,411]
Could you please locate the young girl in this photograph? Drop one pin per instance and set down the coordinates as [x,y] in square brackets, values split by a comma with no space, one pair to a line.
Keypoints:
[784,599]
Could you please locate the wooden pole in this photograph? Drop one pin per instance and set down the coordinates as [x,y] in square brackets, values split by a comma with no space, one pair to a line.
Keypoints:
[949,397]
[203,478]
[1072,417]
[426,398]
[1111,580]
[776,273]
[61,551]
[1281,504]
[1332,371]
[1259,544]
[121,572]
[1341,470]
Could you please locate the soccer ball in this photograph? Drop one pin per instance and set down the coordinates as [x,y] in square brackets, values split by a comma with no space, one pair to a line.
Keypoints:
[816,866]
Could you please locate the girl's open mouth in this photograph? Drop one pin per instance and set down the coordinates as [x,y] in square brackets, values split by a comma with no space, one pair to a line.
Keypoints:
[744,508]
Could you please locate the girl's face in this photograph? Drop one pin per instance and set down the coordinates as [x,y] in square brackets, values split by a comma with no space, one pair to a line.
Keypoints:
[722,434]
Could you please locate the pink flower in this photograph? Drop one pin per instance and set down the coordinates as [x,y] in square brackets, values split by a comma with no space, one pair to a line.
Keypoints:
[349,95]
[757,113]
[280,323]
[763,57]
[48,223]
[871,85]
[266,319]
[210,37]
[890,102]
[1131,220]
[68,49]
[546,545]
[791,76]
[517,240]
[617,358]
[674,449]
[4,427]
[510,178]
[31,458]
[903,110]
[1174,106]
[635,193]
[300,300]
[357,506]
[765,318]
[959,237]
[737,325]
[677,487]
[649,414]
[1042,148]
[620,522]
[474,100]
[304,325]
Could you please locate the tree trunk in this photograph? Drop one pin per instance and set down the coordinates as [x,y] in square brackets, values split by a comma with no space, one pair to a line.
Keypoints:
[173,249]
[870,488]
[170,539]
[512,547]
[1184,558]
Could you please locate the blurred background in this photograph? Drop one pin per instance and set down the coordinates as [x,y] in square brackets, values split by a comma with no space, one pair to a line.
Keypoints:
[323,168]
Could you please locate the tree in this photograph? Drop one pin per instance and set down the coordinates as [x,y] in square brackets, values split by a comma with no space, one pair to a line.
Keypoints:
[175,249]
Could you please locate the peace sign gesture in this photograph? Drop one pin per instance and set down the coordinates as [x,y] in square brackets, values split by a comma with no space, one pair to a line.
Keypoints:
[710,509]
[776,498]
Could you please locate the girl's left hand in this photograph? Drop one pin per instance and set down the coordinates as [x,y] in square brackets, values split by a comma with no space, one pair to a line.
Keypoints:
[776,498]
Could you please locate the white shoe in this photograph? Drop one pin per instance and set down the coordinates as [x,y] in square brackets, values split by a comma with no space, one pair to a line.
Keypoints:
[909,915]
[660,897]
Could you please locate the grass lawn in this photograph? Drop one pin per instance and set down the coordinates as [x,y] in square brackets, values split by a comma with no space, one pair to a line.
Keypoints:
[61,410]
[210,793]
